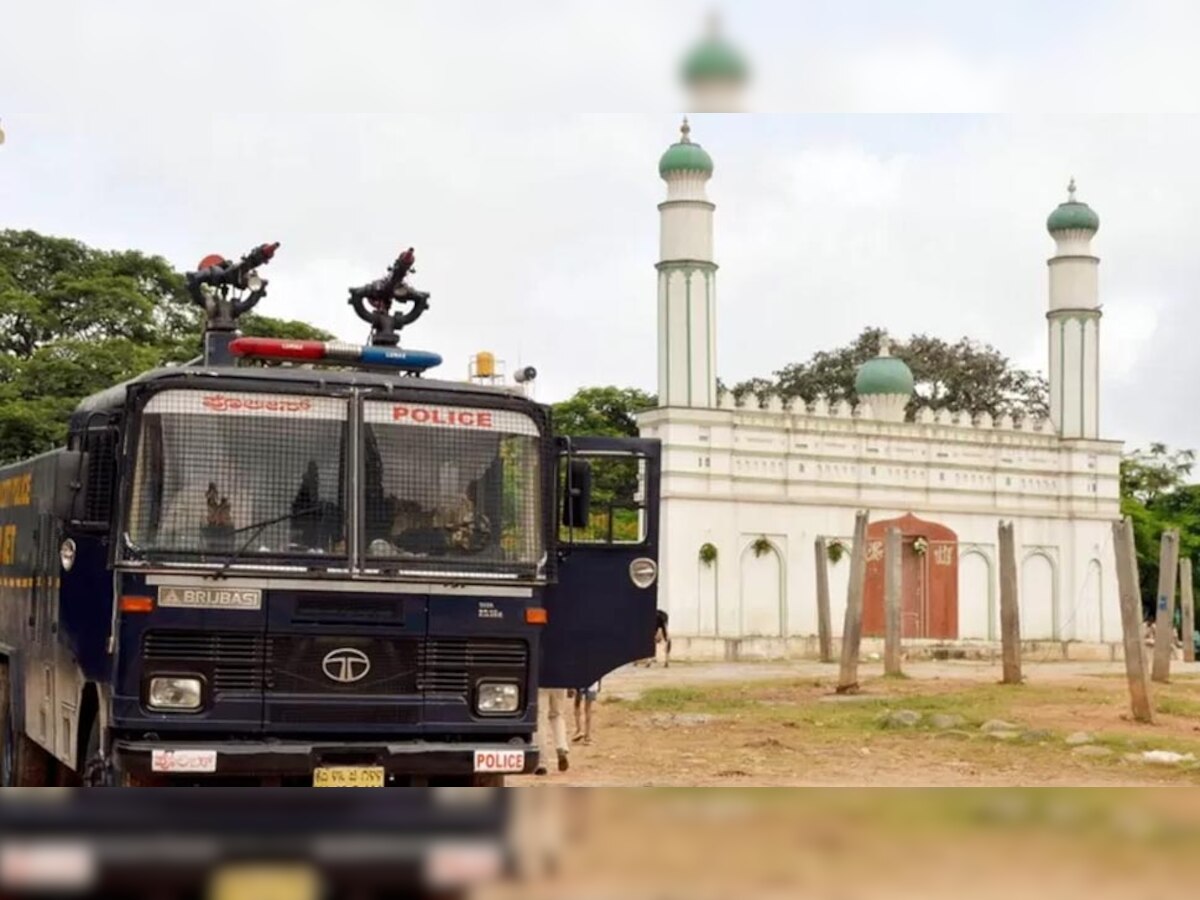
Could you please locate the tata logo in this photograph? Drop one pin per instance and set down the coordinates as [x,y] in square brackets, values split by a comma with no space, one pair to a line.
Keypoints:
[346,665]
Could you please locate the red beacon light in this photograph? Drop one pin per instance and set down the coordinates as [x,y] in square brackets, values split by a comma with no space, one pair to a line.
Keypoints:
[277,348]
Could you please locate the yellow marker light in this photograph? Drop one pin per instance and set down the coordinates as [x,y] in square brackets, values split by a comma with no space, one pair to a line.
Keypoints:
[485,364]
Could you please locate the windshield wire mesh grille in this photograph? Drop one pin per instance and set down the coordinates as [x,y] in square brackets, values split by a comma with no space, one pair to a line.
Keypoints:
[448,485]
[248,474]
[231,476]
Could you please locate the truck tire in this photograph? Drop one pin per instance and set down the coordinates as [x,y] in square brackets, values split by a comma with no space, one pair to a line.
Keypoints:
[22,762]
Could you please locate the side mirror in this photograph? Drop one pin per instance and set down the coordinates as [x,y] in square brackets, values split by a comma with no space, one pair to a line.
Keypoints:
[577,500]
[70,484]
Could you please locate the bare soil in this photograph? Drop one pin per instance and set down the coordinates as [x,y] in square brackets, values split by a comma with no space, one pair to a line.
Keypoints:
[782,724]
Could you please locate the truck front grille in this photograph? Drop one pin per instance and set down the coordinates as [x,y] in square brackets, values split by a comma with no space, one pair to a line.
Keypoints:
[233,661]
[292,664]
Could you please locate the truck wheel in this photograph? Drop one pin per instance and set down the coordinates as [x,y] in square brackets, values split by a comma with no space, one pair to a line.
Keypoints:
[22,762]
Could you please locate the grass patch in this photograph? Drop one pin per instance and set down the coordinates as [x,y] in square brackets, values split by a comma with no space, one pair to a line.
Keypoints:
[693,700]
[1170,705]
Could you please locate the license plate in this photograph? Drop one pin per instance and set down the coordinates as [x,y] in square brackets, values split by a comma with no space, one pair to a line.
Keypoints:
[348,777]
[266,883]
[183,761]
[499,760]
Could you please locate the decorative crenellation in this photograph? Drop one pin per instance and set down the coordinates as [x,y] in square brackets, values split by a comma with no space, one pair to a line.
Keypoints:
[926,416]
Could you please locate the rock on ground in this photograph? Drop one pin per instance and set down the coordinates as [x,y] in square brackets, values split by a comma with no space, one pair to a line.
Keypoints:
[686,720]
[943,721]
[1037,736]
[901,718]
[1091,750]
[994,725]
[1079,738]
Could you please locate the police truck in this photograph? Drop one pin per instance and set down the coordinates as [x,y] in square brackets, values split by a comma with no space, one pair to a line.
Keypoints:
[309,563]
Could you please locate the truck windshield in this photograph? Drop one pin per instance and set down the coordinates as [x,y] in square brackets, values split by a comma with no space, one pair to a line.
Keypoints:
[221,473]
[451,487]
[441,489]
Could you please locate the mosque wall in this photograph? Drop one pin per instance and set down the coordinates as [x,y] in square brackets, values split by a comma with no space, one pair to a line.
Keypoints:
[763,485]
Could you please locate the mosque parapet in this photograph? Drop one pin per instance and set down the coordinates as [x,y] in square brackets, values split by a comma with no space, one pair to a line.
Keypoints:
[863,411]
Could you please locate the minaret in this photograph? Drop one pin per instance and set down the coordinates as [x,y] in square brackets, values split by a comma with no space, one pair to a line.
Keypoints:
[1074,320]
[715,73]
[686,278]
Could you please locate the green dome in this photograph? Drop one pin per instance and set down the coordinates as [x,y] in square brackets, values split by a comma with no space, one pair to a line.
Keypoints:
[1073,215]
[713,59]
[884,375]
[685,156]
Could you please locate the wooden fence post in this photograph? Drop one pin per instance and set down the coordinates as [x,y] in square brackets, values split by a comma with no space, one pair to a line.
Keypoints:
[1010,612]
[824,633]
[1164,630]
[1125,552]
[1188,601]
[893,575]
[852,629]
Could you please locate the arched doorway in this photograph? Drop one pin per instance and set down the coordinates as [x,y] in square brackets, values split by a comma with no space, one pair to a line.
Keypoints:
[1037,598]
[762,592]
[929,580]
[978,617]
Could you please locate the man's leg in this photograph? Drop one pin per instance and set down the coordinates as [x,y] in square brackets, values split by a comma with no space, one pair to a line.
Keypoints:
[558,724]
[587,719]
[543,729]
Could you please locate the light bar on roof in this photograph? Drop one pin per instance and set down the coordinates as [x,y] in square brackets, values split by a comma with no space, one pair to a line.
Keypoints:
[334,352]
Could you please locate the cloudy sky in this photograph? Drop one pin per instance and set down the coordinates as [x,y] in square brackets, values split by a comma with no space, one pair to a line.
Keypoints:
[896,169]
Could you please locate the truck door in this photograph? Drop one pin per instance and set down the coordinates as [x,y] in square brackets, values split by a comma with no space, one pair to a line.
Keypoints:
[601,612]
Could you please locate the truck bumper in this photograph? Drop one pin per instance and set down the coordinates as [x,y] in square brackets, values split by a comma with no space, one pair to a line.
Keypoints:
[299,759]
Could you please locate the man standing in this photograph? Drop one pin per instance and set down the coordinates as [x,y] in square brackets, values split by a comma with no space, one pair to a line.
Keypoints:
[552,705]
[584,700]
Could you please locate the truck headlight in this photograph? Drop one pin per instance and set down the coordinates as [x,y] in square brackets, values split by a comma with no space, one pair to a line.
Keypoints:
[175,693]
[493,698]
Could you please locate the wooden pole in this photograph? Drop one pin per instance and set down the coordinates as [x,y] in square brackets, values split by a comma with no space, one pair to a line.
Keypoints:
[1125,552]
[893,575]
[1188,601]
[1164,630]
[824,633]
[852,629]
[1010,612]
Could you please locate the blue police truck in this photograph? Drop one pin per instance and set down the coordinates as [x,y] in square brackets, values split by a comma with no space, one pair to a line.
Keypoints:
[309,563]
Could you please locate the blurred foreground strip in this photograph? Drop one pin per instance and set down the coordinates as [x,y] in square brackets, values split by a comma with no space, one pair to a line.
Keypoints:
[862,843]
[286,844]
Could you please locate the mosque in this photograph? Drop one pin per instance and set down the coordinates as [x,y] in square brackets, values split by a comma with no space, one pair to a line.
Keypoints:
[747,491]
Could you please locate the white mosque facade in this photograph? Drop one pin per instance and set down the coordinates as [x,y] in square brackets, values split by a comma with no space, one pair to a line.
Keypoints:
[747,491]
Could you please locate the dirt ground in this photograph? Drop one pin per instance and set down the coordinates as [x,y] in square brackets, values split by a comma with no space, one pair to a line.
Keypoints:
[782,724]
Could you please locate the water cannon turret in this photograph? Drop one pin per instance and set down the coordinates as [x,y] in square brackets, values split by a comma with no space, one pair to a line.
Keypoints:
[226,291]
[373,302]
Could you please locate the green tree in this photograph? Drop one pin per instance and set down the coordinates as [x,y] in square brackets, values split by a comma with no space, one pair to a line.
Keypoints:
[607,412]
[1155,496]
[75,320]
[964,375]
[602,411]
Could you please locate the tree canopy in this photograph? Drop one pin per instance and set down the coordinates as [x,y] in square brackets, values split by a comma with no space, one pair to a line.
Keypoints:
[75,320]
[603,411]
[965,375]
[1156,496]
